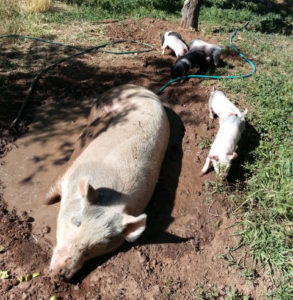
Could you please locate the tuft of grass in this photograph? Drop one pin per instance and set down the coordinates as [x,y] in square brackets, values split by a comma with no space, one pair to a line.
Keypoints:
[209,292]
[204,142]
[15,20]
[35,5]
[11,17]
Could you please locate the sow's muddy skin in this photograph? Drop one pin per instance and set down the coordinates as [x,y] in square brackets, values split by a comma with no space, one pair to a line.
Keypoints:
[110,177]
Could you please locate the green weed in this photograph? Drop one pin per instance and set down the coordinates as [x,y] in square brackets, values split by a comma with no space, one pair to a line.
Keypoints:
[205,291]
[204,143]
[235,295]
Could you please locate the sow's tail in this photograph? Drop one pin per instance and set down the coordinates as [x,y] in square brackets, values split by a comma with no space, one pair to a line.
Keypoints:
[54,194]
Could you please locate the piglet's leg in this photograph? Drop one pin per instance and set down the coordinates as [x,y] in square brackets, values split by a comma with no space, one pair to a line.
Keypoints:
[163,48]
[206,165]
[216,56]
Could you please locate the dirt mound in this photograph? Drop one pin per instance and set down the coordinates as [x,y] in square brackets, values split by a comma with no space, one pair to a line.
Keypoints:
[178,255]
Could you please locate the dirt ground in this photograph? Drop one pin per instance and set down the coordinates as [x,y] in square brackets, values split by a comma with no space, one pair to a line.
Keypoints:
[179,255]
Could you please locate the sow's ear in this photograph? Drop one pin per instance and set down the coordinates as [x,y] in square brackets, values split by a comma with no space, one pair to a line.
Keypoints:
[133,226]
[86,191]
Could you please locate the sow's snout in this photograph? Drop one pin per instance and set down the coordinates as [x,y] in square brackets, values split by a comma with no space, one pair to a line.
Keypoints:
[62,264]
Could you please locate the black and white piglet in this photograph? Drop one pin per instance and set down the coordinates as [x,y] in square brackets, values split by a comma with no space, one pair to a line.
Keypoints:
[212,51]
[174,41]
[187,62]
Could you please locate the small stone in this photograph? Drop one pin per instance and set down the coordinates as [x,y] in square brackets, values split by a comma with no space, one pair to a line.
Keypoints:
[154,263]
[142,258]
[24,296]
[5,285]
[46,229]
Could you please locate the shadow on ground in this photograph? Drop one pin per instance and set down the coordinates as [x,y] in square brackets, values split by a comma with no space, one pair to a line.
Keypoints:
[248,143]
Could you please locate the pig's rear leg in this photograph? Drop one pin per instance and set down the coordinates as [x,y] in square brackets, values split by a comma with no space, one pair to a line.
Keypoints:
[164,48]
[216,56]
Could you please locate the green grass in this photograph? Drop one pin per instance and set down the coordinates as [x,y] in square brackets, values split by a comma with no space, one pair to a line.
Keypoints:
[16,21]
[97,10]
[224,15]
[267,213]
[264,200]
[216,15]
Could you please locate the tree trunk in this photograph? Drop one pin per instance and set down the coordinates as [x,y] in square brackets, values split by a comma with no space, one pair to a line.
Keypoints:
[190,13]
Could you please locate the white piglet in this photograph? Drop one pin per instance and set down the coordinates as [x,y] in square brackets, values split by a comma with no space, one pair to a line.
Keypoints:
[223,149]
[174,41]
[221,106]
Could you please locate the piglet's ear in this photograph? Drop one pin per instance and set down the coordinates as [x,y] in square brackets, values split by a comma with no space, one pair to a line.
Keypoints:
[133,226]
[232,156]
[86,191]
[214,157]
